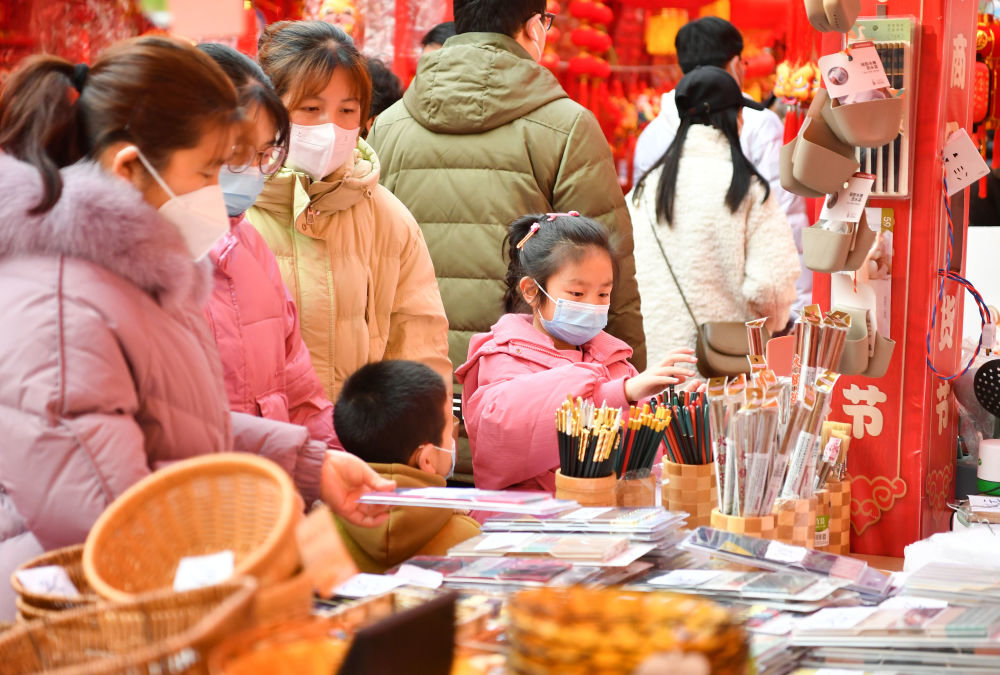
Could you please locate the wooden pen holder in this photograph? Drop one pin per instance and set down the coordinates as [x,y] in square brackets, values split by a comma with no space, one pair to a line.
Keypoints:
[636,492]
[587,491]
[822,537]
[840,516]
[690,488]
[795,521]
[762,527]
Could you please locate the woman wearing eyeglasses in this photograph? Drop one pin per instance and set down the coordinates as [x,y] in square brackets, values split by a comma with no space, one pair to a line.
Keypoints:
[266,364]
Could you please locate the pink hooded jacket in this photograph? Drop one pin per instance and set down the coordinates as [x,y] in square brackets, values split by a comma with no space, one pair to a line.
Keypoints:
[107,369]
[513,383]
[266,364]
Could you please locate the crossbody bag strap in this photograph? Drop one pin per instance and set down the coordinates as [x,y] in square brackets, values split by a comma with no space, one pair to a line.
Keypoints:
[680,290]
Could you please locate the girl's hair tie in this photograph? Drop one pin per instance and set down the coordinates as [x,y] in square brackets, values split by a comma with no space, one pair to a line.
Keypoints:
[531,232]
[552,216]
[79,76]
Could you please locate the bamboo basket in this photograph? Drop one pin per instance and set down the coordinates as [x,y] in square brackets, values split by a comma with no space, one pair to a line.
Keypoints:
[690,488]
[636,492]
[162,631]
[227,501]
[822,537]
[840,516]
[587,491]
[762,527]
[39,605]
[796,522]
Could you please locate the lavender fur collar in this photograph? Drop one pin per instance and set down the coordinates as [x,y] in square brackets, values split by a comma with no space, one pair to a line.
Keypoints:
[103,220]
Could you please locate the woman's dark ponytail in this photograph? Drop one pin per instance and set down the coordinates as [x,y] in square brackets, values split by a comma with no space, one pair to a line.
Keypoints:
[40,121]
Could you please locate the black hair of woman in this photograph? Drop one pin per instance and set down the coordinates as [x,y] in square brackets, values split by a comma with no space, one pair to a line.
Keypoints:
[539,252]
[253,86]
[727,121]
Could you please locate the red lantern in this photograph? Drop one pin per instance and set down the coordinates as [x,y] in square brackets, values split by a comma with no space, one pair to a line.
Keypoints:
[590,38]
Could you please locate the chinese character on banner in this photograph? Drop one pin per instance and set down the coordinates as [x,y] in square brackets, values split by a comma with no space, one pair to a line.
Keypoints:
[865,414]
[948,307]
[958,64]
[942,406]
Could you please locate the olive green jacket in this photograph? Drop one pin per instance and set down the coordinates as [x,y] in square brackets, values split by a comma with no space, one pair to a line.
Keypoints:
[483,136]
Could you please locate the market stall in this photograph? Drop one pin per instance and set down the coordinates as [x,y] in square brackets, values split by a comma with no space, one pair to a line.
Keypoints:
[722,530]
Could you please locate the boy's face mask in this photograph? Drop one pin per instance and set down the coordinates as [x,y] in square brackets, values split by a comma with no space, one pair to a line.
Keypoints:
[453,452]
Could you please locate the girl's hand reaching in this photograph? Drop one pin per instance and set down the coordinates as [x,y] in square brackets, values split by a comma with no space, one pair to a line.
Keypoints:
[657,378]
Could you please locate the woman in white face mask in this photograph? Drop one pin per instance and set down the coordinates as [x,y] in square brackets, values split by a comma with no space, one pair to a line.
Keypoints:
[266,364]
[351,254]
[107,371]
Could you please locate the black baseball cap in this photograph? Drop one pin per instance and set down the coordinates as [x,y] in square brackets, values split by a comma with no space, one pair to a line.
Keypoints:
[709,89]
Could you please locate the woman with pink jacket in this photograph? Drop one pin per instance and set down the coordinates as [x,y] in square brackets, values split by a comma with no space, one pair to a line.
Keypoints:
[518,374]
[108,204]
[267,368]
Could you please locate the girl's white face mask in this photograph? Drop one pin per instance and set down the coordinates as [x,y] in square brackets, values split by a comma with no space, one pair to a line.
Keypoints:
[200,216]
[321,149]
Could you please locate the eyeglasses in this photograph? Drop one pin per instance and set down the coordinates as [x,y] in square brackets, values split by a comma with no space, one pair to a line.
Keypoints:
[547,19]
[269,160]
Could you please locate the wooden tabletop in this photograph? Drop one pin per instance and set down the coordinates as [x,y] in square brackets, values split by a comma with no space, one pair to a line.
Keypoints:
[881,562]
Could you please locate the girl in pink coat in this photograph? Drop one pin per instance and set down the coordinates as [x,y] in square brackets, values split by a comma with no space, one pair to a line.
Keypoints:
[562,270]
[267,368]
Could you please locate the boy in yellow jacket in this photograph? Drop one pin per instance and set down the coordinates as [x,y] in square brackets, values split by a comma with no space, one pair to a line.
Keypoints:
[388,414]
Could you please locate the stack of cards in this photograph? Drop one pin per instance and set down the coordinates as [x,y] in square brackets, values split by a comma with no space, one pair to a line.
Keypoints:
[501,573]
[959,584]
[777,556]
[786,591]
[534,503]
[598,550]
[903,634]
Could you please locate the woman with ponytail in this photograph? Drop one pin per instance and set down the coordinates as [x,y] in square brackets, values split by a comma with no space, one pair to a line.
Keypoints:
[561,273]
[110,200]
[704,208]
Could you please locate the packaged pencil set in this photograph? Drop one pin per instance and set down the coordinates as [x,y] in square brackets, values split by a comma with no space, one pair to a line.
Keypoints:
[766,448]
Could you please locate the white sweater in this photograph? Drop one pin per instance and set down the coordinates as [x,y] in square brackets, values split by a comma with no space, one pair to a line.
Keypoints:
[761,137]
[732,266]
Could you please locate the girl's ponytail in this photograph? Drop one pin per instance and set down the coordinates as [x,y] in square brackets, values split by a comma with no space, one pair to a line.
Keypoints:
[516,232]
[40,121]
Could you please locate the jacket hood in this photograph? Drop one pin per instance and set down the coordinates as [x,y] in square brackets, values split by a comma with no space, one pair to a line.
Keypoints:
[515,331]
[103,220]
[289,192]
[478,82]
[409,528]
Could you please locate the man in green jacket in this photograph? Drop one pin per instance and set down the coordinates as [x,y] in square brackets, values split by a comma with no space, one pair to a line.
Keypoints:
[485,135]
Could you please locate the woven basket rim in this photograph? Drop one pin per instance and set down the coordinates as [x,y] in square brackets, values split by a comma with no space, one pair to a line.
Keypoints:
[196,468]
[240,597]
[49,558]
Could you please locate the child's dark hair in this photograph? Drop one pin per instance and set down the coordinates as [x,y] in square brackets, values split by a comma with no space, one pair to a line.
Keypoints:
[559,238]
[387,409]
[386,87]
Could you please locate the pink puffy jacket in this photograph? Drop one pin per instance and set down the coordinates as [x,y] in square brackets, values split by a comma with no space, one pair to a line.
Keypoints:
[107,369]
[513,383]
[267,368]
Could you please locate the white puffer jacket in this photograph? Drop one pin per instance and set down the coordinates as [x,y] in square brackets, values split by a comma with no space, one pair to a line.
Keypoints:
[731,266]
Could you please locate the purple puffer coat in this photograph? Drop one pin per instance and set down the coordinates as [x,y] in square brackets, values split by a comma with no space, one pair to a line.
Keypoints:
[107,369]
